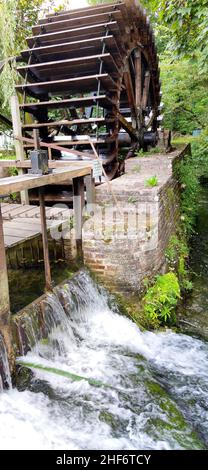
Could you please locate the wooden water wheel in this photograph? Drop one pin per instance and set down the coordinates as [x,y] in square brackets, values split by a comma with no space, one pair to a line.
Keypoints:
[92,72]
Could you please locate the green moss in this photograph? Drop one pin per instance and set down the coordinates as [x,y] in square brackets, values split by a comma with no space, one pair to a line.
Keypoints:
[136,169]
[172,419]
[44,341]
[177,254]
[109,419]
[132,308]
[132,200]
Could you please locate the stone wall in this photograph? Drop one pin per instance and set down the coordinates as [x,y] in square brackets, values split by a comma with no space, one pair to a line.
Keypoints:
[124,241]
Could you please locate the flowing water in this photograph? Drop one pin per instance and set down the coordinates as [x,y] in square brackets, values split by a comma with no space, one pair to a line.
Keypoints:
[154,384]
[149,390]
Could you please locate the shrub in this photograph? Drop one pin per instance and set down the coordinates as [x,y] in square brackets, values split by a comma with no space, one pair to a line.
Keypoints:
[161,299]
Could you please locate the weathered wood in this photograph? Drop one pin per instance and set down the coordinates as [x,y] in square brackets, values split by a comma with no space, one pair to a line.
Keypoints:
[19,183]
[129,89]
[93,44]
[19,150]
[78,53]
[67,123]
[5,329]
[48,279]
[78,21]
[127,126]
[138,78]
[78,206]
[71,13]
[77,84]
[103,100]
[72,33]
[90,191]
[67,66]
[146,90]
[53,164]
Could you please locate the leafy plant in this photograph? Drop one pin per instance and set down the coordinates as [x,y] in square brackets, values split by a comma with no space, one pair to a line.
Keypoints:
[162,298]
[152,181]
[132,200]
[176,255]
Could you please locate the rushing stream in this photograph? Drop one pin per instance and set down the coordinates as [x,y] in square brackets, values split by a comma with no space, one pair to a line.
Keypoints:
[158,383]
[149,391]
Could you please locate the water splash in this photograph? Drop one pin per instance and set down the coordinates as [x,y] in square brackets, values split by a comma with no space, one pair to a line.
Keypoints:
[5,377]
[143,408]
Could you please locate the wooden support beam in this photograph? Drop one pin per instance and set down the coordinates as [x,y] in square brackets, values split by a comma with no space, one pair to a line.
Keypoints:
[78,206]
[48,280]
[5,328]
[129,90]
[138,77]
[127,126]
[145,94]
[90,191]
[19,150]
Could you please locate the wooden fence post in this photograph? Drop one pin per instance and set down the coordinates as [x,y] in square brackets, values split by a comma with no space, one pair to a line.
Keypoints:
[17,131]
[5,327]
[48,280]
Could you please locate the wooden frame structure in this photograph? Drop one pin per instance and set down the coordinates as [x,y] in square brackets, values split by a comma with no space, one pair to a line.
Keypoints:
[75,173]
[89,72]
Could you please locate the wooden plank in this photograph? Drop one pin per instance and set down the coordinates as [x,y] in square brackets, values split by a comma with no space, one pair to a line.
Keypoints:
[70,47]
[36,125]
[53,164]
[19,183]
[72,33]
[21,232]
[80,11]
[10,241]
[138,78]
[67,68]
[78,21]
[145,94]
[103,101]
[17,130]
[78,84]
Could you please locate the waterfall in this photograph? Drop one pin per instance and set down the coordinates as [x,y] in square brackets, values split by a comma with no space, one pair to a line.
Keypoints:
[136,390]
[5,377]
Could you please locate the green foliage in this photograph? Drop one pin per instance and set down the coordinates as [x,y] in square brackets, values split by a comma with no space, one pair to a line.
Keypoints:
[144,153]
[16,20]
[188,173]
[184,26]
[132,199]
[177,254]
[185,96]
[161,299]
[152,181]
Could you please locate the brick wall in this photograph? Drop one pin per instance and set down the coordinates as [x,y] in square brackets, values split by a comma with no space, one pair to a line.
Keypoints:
[125,243]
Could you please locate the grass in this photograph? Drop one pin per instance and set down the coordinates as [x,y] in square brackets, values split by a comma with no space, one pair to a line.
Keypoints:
[151,182]
[186,139]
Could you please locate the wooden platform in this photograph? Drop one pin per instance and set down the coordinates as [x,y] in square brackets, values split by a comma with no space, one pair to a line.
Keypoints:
[21,223]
